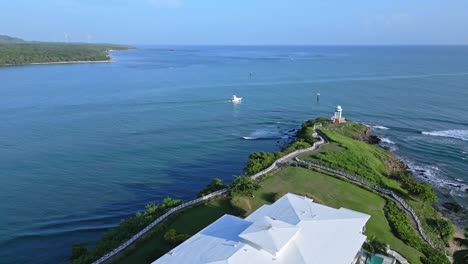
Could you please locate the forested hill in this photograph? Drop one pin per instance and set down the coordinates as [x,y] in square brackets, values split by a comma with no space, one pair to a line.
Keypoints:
[15,51]
[4,39]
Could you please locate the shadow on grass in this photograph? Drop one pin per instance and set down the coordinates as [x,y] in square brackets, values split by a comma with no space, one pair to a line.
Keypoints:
[270,197]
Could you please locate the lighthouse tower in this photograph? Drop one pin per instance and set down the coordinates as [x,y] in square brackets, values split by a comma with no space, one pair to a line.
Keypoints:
[338,118]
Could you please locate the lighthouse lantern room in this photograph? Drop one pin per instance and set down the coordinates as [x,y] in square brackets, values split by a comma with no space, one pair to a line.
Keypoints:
[338,118]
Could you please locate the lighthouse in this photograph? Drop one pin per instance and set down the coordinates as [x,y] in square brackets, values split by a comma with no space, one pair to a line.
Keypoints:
[338,118]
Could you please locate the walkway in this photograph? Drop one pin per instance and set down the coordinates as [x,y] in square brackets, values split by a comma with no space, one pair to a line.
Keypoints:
[383,191]
[284,160]
[274,166]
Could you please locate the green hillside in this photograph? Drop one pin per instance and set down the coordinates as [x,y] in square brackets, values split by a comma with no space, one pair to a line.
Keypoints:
[15,51]
[4,39]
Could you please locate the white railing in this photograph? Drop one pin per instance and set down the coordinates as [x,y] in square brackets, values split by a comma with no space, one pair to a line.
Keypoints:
[276,164]
[284,158]
[376,188]
[256,176]
[157,221]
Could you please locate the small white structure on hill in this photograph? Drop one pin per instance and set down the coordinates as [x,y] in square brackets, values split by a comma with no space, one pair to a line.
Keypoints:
[292,230]
[338,118]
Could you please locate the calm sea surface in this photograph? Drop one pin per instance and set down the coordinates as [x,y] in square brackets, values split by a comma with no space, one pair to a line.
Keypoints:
[83,146]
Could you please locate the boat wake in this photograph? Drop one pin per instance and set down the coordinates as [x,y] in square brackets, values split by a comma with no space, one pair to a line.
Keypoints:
[455,133]
[264,134]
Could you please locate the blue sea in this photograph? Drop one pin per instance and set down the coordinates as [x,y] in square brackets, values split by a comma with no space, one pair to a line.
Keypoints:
[85,145]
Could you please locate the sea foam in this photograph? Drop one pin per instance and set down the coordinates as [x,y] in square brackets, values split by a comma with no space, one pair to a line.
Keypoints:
[387,141]
[377,126]
[455,133]
[431,174]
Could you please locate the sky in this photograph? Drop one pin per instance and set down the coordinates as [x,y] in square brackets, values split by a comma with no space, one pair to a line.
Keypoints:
[238,22]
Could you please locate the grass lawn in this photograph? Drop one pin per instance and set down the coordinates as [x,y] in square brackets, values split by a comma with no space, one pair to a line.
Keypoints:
[188,221]
[331,192]
[357,157]
[370,162]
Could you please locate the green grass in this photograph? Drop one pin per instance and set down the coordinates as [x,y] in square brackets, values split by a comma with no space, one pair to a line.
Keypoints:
[370,162]
[189,221]
[332,192]
[426,213]
[354,156]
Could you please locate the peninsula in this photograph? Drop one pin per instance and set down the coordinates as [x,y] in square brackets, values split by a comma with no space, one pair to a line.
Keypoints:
[16,51]
[336,164]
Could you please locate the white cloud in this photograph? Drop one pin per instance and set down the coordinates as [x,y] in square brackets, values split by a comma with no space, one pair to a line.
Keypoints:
[164,3]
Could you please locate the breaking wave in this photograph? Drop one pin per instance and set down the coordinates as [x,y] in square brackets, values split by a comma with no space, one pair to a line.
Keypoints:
[455,133]
[387,141]
[377,126]
[431,174]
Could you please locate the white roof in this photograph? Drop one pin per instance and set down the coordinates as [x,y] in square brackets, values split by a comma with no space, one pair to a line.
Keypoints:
[291,230]
[269,234]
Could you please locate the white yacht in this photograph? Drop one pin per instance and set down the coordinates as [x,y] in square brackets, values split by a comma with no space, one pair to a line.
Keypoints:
[236,99]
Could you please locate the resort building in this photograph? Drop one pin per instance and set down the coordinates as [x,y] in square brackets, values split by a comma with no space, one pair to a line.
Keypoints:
[292,230]
[338,117]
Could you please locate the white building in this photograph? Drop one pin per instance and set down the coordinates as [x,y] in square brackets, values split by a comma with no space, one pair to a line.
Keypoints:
[338,116]
[292,230]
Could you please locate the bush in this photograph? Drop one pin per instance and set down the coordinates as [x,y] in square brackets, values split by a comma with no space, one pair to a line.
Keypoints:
[243,185]
[300,144]
[401,225]
[124,231]
[79,250]
[433,256]
[259,161]
[215,185]
[460,256]
[444,228]
[171,237]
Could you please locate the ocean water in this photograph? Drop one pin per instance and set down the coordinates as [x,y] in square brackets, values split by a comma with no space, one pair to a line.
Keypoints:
[83,146]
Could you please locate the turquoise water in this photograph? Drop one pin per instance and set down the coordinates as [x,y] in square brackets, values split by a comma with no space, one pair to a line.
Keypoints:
[373,259]
[83,146]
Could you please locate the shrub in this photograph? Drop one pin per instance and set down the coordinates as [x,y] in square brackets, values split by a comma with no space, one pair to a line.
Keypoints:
[401,225]
[124,231]
[259,161]
[433,256]
[300,144]
[215,185]
[445,229]
[243,185]
[171,237]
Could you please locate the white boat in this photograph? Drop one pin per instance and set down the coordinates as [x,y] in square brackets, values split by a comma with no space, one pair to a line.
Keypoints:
[236,99]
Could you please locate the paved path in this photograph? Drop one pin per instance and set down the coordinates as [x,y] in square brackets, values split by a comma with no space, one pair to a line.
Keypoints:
[275,165]
[389,193]
[286,159]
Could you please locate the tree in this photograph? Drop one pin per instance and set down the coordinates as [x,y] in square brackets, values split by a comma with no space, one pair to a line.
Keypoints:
[215,185]
[173,238]
[244,186]
[259,161]
[78,250]
[373,246]
[445,229]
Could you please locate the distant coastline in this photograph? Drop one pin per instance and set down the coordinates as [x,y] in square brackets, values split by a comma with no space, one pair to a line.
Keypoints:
[17,52]
[56,62]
